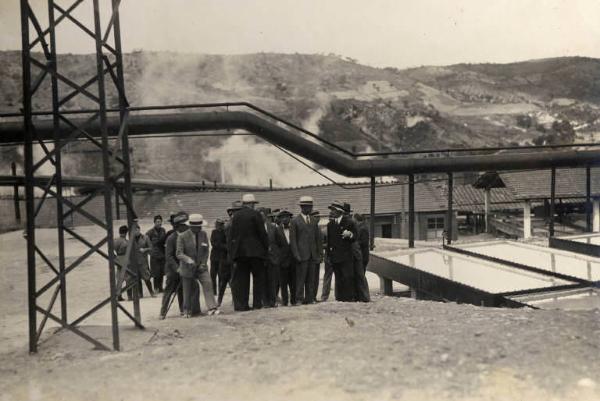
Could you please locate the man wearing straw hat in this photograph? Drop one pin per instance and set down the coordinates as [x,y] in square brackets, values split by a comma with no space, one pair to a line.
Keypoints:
[249,244]
[305,242]
[192,252]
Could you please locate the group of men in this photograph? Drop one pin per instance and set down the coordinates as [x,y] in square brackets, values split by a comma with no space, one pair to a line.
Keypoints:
[279,254]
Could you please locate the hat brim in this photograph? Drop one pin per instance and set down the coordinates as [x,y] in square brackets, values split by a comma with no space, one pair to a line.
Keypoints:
[196,223]
[335,207]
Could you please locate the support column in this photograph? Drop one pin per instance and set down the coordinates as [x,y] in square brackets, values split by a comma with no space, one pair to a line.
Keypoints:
[596,219]
[411,211]
[13,170]
[372,220]
[386,286]
[552,200]
[588,200]
[450,215]
[486,201]
[527,219]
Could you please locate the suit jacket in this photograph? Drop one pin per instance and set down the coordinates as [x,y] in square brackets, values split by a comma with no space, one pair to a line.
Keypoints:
[218,244]
[192,252]
[157,238]
[305,239]
[285,258]
[340,249]
[248,237]
[273,256]
[171,261]
[363,242]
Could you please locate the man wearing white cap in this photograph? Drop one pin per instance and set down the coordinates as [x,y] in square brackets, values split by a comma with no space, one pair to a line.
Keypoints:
[192,252]
[248,244]
[305,243]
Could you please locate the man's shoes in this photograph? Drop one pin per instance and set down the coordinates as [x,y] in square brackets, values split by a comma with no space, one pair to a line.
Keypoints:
[161,317]
[214,312]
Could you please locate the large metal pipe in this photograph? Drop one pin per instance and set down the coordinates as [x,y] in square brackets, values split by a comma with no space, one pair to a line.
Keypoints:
[11,132]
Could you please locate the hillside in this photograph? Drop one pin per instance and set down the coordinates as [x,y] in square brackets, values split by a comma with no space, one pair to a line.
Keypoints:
[467,105]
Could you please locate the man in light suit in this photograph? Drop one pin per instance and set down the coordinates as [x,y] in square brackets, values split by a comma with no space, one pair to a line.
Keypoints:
[305,242]
[192,253]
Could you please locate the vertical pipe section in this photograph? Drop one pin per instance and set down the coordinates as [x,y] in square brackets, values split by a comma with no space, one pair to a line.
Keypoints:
[449,218]
[28,153]
[372,219]
[588,199]
[527,219]
[596,212]
[125,152]
[411,210]
[552,200]
[108,186]
[13,170]
[57,166]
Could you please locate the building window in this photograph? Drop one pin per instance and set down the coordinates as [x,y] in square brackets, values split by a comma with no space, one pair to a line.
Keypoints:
[435,227]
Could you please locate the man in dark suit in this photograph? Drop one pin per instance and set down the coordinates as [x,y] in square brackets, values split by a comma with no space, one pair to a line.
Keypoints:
[316,215]
[271,266]
[157,236]
[341,234]
[226,266]
[248,245]
[328,274]
[173,284]
[285,258]
[362,242]
[305,241]
[218,249]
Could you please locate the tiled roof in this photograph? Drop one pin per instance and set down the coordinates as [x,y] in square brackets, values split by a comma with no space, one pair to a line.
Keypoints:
[469,198]
[388,199]
[536,184]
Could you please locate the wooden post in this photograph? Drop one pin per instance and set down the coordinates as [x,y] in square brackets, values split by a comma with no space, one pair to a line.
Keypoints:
[486,200]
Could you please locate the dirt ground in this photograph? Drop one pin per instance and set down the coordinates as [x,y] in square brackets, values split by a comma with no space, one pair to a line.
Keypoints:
[391,348]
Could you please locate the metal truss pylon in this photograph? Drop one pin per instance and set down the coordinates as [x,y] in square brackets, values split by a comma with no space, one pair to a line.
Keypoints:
[115,163]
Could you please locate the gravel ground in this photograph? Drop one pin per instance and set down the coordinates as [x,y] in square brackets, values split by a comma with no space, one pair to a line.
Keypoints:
[391,348]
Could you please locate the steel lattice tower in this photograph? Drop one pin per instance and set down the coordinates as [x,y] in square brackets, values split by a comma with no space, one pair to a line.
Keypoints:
[116,170]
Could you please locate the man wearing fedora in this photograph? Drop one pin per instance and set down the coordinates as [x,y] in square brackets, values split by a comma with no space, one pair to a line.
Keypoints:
[249,244]
[285,258]
[305,243]
[341,234]
[192,252]
[173,284]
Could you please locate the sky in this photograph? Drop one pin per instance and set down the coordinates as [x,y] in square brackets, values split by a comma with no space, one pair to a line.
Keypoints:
[381,33]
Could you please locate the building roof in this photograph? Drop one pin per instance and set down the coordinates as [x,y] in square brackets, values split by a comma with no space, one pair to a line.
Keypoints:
[468,198]
[535,185]
[388,199]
